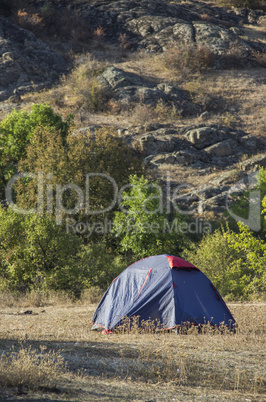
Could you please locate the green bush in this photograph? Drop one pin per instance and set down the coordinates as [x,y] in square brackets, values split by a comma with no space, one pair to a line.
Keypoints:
[241,203]
[99,266]
[16,131]
[142,228]
[35,253]
[234,262]
[247,271]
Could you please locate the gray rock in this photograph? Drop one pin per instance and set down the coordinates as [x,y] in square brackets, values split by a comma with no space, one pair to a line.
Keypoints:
[185,157]
[200,147]
[148,25]
[25,61]
[262,21]
[170,159]
[167,147]
[254,163]
[249,142]
[227,178]
[116,78]
[151,145]
[183,33]
[218,39]
[210,192]
[202,137]
[155,25]
[129,89]
[223,148]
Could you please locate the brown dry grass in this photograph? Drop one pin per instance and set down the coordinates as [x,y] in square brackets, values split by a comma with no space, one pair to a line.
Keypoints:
[234,97]
[132,366]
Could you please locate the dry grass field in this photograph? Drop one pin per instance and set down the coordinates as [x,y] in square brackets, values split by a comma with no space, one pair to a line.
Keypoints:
[48,353]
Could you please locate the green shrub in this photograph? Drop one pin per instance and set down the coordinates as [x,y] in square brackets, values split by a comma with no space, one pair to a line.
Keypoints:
[234,262]
[16,131]
[102,153]
[247,272]
[142,227]
[241,203]
[35,253]
[99,266]
[83,88]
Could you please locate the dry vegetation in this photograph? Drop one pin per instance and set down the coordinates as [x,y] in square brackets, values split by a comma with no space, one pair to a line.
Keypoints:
[233,97]
[52,353]
[46,347]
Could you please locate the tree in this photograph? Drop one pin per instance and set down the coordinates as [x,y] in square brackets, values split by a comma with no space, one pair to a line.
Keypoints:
[16,132]
[263,185]
[81,175]
[35,253]
[248,270]
[142,227]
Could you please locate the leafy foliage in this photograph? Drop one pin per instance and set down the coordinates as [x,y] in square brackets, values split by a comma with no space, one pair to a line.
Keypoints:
[35,253]
[105,156]
[263,187]
[16,132]
[143,229]
[99,265]
[234,262]
[248,270]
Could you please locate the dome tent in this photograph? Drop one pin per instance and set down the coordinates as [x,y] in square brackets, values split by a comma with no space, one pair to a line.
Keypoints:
[163,288]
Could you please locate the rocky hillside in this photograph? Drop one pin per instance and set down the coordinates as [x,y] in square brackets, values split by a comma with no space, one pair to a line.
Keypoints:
[183,82]
[156,25]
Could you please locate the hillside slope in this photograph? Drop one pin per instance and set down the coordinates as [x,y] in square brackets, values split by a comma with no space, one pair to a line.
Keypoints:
[183,82]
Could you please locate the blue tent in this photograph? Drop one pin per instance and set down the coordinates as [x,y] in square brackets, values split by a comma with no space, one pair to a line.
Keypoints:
[163,288]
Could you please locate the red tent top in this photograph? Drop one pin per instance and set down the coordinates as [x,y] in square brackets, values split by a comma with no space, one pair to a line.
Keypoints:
[178,262]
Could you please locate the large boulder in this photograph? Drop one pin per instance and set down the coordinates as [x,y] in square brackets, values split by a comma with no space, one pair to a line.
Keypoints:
[201,137]
[223,148]
[130,89]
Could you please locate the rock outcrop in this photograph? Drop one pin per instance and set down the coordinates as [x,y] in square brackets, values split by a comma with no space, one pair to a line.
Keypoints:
[202,149]
[130,89]
[26,62]
[154,25]
[198,146]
